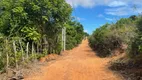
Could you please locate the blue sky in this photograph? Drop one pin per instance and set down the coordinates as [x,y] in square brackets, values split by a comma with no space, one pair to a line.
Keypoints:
[94,13]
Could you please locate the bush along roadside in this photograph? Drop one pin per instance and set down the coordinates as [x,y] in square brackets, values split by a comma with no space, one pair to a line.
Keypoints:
[110,37]
[126,36]
[31,29]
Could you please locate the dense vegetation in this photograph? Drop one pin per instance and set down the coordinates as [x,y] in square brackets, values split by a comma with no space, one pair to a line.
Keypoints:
[124,35]
[136,45]
[30,29]
[74,33]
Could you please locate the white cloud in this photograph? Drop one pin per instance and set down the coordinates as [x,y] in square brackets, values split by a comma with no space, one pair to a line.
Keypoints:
[116,7]
[117,4]
[82,3]
[86,31]
[111,3]
[109,19]
[80,19]
[100,16]
[121,11]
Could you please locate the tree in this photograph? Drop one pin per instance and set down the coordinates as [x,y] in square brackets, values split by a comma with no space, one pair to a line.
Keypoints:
[75,34]
[34,19]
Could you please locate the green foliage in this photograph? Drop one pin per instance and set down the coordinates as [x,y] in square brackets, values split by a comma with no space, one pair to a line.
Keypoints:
[136,45]
[39,14]
[39,23]
[139,25]
[31,33]
[86,34]
[111,36]
[74,34]
[133,17]
[2,65]
[35,20]
[38,56]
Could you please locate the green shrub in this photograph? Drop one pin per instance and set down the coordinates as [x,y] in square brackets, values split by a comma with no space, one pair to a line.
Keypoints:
[136,46]
[2,65]
[74,34]
[110,37]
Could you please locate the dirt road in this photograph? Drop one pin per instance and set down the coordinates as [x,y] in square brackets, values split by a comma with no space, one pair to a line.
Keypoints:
[80,64]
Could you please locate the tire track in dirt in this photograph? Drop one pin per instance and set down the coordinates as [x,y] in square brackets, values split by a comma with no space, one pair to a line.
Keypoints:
[80,64]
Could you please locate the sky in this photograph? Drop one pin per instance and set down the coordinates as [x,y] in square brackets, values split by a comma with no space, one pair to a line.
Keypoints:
[94,13]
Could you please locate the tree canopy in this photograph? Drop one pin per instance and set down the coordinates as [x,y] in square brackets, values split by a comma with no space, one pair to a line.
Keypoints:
[37,24]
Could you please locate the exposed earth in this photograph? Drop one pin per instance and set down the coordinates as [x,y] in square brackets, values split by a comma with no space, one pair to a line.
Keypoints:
[81,63]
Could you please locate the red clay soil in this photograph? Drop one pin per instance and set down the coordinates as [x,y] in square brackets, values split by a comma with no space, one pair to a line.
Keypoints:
[81,63]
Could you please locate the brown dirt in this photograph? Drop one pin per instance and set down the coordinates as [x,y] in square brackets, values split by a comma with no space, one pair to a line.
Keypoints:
[48,58]
[81,63]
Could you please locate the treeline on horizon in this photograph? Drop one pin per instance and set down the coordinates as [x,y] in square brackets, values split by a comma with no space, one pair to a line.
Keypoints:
[125,35]
[35,27]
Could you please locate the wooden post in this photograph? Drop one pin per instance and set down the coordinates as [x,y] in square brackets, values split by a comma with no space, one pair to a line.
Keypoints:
[22,52]
[7,56]
[15,53]
[27,50]
[32,49]
[64,39]
[7,61]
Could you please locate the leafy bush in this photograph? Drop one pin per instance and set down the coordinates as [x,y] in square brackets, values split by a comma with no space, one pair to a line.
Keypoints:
[2,65]
[136,45]
[110,37]
[39,23]
[74,34]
